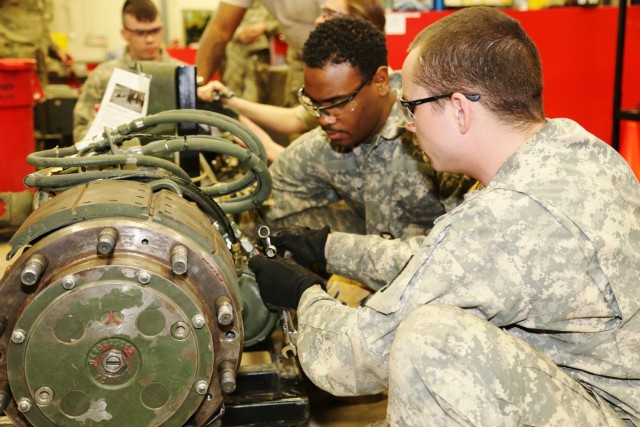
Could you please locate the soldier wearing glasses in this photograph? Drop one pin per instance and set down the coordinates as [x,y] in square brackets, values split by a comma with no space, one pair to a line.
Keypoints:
[142,30]
[521,308]
[360,171]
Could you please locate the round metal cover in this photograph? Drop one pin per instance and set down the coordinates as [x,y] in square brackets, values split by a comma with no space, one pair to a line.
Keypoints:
[111,351]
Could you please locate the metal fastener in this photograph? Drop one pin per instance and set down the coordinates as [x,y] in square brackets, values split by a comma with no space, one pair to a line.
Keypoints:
[198,321]
[24,405]
[202,387]
[43,396]
[179,257]
[68,282]
[224,310]
[33,270]
[18,336]
[143,277]
[107,240]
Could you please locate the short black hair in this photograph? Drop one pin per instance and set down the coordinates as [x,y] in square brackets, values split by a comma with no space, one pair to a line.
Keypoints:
[346,39]
[143,10]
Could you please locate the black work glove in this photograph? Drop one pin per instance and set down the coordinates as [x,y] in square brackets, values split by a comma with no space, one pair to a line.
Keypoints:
[306,244]
[282,281]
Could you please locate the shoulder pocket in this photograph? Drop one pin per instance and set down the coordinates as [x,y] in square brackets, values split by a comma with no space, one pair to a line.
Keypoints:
[389,299]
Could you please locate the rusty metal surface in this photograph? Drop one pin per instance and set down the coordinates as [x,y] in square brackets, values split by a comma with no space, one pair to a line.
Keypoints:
[115,199]
[103,334]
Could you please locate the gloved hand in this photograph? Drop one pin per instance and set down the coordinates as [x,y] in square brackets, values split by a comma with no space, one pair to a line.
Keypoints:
[282,281]
[306,244]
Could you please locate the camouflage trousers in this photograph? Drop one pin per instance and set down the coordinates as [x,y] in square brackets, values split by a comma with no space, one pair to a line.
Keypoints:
[450,367]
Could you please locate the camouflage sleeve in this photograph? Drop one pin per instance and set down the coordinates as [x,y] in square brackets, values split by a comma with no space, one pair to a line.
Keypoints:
[335,360]
[371,260]
[270,23]
[299,178]
[91,94]
[346,350]
[452,187]
[309,121]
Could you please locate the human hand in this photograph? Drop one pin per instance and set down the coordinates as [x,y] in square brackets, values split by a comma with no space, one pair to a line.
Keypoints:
[252,33]
[282,282]
[306,244]
[214,91]
[66,58]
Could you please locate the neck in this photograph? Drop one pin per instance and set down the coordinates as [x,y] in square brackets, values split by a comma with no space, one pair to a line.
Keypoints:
[384,115]
[501,143]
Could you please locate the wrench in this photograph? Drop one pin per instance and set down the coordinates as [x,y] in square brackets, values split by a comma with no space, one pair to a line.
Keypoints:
[290,334]
[269,250]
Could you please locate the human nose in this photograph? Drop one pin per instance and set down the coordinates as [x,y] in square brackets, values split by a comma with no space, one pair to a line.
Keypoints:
[326,119]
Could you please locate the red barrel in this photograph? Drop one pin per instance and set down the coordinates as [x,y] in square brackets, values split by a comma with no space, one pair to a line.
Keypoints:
[19,91]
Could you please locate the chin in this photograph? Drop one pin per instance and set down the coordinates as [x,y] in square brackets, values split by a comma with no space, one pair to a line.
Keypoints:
[342,148]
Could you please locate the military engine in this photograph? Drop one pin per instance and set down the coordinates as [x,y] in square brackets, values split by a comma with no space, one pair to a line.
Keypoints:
[128,300]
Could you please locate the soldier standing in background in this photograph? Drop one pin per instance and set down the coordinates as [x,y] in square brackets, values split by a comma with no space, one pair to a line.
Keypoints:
[295,18]
[24,33]
[249,49]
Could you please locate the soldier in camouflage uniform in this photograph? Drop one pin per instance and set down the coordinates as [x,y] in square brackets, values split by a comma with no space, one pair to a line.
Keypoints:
[24,33]
[142,30]
[293,121]
[249,48]
[522,307]
[361,155]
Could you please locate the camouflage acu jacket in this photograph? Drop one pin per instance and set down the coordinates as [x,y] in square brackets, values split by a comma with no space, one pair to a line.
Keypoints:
[549,250]
[24,27]
[390,183]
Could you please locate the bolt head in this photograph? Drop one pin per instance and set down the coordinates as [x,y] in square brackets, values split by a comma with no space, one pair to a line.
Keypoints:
[179,267]
[68,283]
[198,321]
[202,387]
[18,336]
[43,396]
[24,405]
[144,277]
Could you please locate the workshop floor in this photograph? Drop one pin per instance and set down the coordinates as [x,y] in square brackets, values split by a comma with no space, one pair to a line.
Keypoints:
[348,412]
[325,410]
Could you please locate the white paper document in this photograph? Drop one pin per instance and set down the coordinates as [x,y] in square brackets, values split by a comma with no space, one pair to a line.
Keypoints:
[126,99]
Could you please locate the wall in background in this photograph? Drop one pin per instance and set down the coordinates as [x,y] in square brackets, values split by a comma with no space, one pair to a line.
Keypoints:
[578,50]
[577,45]
[92,27]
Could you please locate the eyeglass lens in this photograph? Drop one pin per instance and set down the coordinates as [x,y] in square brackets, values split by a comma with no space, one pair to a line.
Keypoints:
[336,110]
[408,112]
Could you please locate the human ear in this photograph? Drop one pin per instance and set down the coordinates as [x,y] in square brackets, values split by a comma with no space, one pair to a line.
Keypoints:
[461,111]
[380,80]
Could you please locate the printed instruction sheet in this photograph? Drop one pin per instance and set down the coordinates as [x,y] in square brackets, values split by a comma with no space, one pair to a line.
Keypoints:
[126,99]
